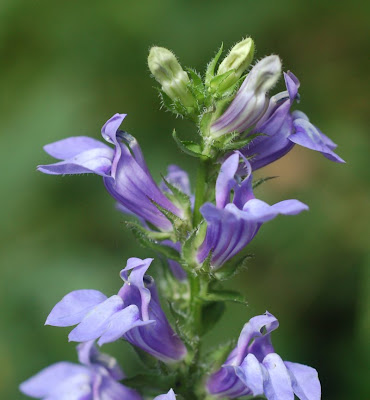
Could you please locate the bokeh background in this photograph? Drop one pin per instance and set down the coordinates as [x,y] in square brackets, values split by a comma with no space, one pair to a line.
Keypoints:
[66,67]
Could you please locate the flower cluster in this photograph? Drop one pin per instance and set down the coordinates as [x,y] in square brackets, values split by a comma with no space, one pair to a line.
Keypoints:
[200,236]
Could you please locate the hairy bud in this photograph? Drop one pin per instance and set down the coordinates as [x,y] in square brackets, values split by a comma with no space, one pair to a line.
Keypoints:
[168,72]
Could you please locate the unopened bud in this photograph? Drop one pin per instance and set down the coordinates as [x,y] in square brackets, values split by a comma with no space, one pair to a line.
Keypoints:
[168,72]
[238,60]
[250,102]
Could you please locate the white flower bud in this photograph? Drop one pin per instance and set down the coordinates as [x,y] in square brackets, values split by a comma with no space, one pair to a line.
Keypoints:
[168,72]
[238,59]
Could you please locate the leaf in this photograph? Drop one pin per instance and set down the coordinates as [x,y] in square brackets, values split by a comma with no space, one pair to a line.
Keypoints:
[211,314]
[191,148]
[224,295]
[217,81]
[205,122]
[191,244]
[262,180]
[238,144]
[231,268]
[147,241]
[217,356]
[196,86]
[210,72]
[182,198]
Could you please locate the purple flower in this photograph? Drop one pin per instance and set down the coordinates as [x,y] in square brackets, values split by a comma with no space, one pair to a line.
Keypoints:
[124,171]
[251,101]
[169,396]
[234,221]
[94,379]
[282,129]
[133,314]
[253,368]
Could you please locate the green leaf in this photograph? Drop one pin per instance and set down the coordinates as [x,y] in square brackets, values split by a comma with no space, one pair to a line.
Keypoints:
[196,86]
[188,147]
[167,102]
[217,355]
[205,122]
[262,180]
[217,81]
[146,241]
[211,314]
[210,72]
[224,295]
[152,235]
[238,144]
[182,198]
[231,268]
[191,244]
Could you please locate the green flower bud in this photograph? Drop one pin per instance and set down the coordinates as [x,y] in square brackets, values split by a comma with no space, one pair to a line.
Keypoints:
[235,63]
[168,72]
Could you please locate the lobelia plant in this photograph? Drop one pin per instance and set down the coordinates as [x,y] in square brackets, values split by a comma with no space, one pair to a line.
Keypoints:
[202,236]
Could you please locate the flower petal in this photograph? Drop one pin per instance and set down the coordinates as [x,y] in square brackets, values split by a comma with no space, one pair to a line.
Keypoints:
[73,146]
[250,102]
[95,322]
[109,389]
[259,211]
[277,384]
[251,374]
[256,327]
[305,381]
[97,161]
[225,383]
[73,307]
[169,396]
[47,380]
[121,322]
[307,135]
[89,355]
[226,180]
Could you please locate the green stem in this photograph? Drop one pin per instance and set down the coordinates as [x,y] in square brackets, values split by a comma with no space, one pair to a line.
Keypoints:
[200,190]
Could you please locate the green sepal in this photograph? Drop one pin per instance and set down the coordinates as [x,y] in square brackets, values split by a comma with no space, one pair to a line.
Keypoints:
[238,144]
[217,81]
[224,295]
[205,122]
[182,199]
[196,86]
[180,226]
[210,72]
[217,356]
[151,235]
[231,268]
[175,106]
[211,314]
[263,180]
[191,244]
[146,241]
[191,148]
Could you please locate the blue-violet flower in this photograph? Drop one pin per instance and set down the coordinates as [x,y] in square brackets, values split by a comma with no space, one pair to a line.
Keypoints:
[124,171]
[94,379]
[282,129]
[253,368]
[251,101]
[134,314]
[233,222]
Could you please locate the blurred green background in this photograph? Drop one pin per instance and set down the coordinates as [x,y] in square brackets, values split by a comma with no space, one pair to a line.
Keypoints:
[66,67]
